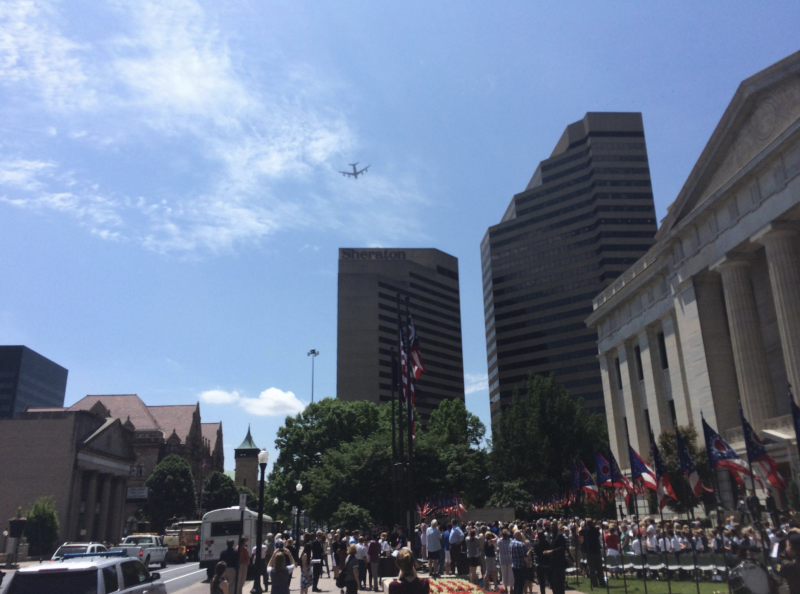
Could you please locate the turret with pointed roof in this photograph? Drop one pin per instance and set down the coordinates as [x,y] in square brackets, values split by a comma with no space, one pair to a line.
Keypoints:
[247,463]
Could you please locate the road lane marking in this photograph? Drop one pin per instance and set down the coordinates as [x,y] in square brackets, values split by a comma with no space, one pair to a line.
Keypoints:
[184,575]
[187,566]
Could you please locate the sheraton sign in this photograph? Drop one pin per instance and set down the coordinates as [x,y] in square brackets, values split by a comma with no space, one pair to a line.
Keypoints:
[345,254]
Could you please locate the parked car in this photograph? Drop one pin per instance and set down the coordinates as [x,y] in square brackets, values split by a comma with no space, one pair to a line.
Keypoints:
[70,548]
[99,573]
[148,548]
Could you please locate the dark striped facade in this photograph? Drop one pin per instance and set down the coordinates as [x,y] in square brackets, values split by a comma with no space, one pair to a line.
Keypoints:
[586,216]
[369,282]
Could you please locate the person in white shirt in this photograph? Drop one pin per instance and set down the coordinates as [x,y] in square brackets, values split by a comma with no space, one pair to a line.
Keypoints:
[361,557]
[433,543]
[423,541]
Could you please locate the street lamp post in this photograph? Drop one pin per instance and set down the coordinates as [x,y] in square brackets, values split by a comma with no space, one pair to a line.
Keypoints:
[313,354]
[263,458]
[276,501]
[299,488]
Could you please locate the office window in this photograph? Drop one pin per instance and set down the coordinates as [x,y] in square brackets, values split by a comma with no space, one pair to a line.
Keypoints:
[662,350]
[639,370]
[672,413]
[647,422]
[619,374]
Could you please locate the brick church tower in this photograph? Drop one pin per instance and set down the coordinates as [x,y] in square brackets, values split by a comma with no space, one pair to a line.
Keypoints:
[247,463]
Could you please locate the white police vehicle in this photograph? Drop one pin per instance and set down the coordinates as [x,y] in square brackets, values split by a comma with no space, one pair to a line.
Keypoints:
[102,573]
[78,548]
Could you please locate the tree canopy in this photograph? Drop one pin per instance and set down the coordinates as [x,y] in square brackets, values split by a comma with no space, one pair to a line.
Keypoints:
[42,526]
[668,447]
[219,491]
[171,491]
[351,517]
[536,439]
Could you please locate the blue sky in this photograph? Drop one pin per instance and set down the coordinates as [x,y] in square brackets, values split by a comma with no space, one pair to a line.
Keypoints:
[170,211]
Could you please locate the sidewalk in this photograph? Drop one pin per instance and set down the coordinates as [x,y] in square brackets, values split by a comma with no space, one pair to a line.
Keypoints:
[326,584]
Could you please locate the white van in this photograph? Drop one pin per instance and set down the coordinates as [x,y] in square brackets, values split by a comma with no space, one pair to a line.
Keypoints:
[223,524]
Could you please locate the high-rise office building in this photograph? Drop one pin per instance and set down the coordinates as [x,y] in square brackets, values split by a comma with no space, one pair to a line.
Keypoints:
[586,215]
[28,380]
[369,282]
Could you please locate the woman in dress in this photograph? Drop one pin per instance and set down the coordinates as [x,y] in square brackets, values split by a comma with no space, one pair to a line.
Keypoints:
[306,579]
[219,585]
[408,582]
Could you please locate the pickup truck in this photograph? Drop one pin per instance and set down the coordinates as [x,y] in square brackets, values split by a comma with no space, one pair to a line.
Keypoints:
[148,548]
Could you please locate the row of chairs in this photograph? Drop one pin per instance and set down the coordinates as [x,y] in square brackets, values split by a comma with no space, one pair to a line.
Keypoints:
[658,563]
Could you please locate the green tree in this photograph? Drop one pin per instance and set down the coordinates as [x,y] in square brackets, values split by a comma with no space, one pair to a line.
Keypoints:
[668,447]
[42,526]
[219,491]
[539,435]
[511,494]
[304,438]
[452,423]
[171,491]
[351,517]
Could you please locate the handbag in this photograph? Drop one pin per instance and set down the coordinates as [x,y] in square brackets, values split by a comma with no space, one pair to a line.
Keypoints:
[340,579]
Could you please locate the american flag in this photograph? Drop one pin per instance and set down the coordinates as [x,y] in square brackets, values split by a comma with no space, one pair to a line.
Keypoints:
[413,347]
[408,387]
[687,466]
[664,489]
[763,464]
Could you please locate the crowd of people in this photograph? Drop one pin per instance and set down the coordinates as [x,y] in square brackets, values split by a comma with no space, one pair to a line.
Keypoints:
[519,554]
[518,557]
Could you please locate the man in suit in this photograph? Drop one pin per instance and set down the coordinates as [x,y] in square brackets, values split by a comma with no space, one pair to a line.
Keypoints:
[558,559]
[317,553]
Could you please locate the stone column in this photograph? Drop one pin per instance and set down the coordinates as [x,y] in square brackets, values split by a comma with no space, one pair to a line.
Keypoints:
[783,259]
[660,418]
[675,362]
[752,373]
[697,382]
[637,428]
[73,528]
[114,511]
[105,508]
[89,506]
[614,412]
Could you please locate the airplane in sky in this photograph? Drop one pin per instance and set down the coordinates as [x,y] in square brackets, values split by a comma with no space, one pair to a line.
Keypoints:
[355,173]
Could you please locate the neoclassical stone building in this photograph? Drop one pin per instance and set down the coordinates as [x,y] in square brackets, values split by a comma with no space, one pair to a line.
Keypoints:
[710,317]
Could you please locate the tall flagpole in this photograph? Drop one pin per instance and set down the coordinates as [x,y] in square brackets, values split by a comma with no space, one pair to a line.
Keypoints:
[756,522]
[394,437]
[400,467]
[410,413]
[660,510]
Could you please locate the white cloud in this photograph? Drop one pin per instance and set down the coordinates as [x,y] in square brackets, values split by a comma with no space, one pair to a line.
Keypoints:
[266,137]
[475,382]
[33,53]
[272,402]
[24,174]
[219,397]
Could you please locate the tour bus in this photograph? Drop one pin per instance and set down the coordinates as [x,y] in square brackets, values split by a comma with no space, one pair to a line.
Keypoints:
[223,524]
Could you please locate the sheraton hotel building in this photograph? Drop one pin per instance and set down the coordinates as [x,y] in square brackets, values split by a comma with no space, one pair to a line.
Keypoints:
[369,282]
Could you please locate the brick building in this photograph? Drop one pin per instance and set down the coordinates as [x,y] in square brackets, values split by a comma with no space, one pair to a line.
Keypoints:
[80,458]
[157,432]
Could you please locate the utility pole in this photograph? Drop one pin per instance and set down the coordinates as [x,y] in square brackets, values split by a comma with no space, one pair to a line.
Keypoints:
[313,354]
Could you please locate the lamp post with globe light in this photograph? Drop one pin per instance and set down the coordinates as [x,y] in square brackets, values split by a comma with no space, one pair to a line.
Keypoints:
[299,488]
[263,458]
[276,501]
